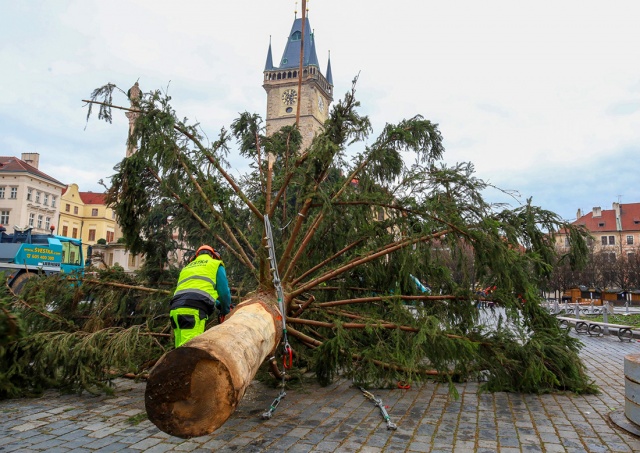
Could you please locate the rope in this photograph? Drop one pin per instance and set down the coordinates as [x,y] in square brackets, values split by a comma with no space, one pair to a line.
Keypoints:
[383,411]
[288,352]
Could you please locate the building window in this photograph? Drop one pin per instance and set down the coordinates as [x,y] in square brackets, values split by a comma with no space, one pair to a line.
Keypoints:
[67,207]
[1,192]
[40,222]
[612,240]
[110,259]
[37,197]
[65,230]
[29,194]
[132,260]
[74,233]
[604,240]
[566,241]
[46,199]
[629,240]
[110,236]
[92,235]
[94,212]
[53,201]
[4,217]
[32,219]
[47,223]
[14,193]
[75,210]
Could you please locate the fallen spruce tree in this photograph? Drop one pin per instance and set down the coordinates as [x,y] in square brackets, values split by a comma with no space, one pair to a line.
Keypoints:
[380,263]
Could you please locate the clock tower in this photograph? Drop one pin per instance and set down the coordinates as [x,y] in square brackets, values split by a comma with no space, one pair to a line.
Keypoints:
[281,84]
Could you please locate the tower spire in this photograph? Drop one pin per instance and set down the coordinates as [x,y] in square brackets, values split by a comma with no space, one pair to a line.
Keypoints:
[268,66]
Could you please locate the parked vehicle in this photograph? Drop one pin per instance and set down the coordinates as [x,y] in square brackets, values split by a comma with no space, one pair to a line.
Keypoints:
[24,255]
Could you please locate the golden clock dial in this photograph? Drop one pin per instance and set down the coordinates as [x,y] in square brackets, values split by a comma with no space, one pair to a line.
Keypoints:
[289,97]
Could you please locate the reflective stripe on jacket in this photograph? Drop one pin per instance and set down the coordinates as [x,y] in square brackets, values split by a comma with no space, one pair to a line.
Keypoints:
[199,276]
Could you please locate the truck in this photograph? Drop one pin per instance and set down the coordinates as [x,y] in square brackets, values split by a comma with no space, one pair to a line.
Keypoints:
[24,255]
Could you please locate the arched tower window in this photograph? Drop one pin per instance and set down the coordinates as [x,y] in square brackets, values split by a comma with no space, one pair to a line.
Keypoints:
[296,36]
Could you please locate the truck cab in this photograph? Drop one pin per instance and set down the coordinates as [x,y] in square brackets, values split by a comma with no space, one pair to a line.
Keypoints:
[24,254]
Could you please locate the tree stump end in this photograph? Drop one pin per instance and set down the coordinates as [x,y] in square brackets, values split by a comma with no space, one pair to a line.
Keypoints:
[189,393]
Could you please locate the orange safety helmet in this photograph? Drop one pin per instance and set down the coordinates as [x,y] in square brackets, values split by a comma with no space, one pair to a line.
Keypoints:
[208,250]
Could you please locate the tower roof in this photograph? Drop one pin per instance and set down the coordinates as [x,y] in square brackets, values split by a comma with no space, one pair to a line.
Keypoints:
[291,55]
[269,64]
[329,75]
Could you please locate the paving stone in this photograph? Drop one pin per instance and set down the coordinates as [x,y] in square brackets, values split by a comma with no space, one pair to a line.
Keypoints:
[58,449]
[28,426]
[339,418]
[145,444]
[17,446]
[95,444]
[160,448]
[114,447]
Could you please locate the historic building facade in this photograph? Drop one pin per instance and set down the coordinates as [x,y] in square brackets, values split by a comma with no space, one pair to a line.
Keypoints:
[615,231]
[282,86]
[85,216]
[28,197]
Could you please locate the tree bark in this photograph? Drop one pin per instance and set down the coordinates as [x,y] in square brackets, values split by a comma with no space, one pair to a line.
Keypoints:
[195,388]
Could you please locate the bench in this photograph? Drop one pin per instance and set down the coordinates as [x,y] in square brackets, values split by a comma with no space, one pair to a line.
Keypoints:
[583,326]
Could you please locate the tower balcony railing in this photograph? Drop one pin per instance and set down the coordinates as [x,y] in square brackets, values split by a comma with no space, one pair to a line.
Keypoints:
[310,72]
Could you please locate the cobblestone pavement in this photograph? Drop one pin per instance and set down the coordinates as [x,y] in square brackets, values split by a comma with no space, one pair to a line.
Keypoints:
[339,418]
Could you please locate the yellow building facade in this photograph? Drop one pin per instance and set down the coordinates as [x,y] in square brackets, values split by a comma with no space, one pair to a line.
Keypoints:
[84,215]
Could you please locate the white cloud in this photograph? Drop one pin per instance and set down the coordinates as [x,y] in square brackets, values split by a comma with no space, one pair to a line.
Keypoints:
[543,97]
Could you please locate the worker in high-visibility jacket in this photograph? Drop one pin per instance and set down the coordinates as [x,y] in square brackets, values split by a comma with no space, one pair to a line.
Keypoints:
[202,288]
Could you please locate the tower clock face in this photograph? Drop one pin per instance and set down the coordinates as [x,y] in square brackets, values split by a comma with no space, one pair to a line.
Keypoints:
[321,104]
[289,97]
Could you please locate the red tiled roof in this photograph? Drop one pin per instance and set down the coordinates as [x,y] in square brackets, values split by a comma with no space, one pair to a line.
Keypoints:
[629,217]
[15,165]
[92,197]
[630,214]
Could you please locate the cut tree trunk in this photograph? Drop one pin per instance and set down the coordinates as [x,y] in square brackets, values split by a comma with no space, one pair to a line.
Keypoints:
[194,389]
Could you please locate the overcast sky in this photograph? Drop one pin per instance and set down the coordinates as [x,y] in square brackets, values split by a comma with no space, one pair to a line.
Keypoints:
[543,97]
